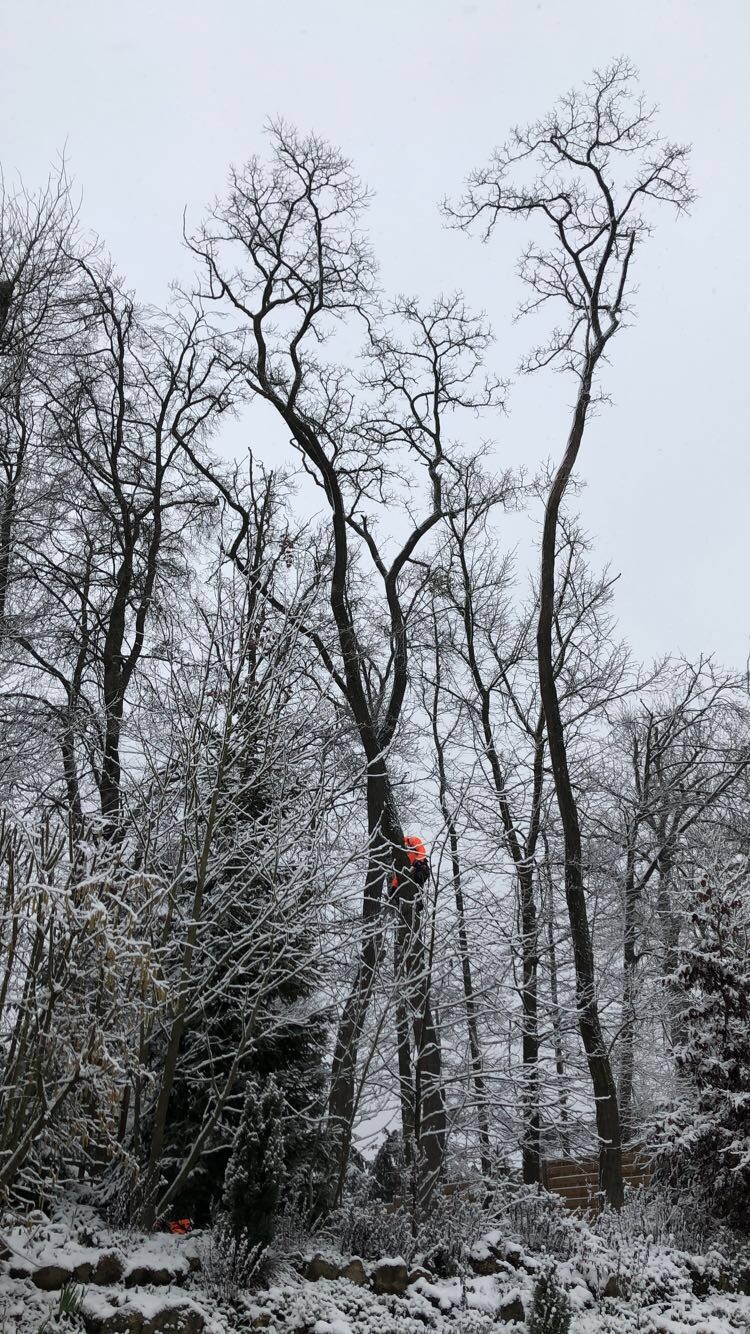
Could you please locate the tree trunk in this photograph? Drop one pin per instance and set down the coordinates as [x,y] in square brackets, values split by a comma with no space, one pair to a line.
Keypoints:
[562,1093]
[386,846]
[531,1149]
[472,1009]
[523,861]
[403,1045]
[341,1099]
[629,960]
[600,1068]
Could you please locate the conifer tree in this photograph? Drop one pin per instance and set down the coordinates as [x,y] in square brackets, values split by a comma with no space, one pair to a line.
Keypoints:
[256,1169]
[257,949]
[550,1307]
[709,1131]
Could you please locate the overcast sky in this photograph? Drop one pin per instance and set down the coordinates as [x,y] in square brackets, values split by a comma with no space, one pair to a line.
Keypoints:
[152,101]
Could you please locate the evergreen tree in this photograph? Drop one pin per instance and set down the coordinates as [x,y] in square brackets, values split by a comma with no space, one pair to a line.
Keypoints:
[256,1169]
[550,1307]
[389,1168]
[709,1130]
[258,927]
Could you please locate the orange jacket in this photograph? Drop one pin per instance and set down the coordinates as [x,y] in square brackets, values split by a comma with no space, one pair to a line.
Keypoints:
[417,853]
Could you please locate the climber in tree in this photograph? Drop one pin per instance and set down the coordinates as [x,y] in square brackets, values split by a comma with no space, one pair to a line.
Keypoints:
[420,866]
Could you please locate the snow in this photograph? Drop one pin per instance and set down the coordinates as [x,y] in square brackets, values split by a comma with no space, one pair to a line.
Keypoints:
[157,1253]
[485,1294]
[103,1302]
[662,1300]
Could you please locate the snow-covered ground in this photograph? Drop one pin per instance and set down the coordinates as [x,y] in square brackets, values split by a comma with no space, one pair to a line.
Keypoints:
[162,1284]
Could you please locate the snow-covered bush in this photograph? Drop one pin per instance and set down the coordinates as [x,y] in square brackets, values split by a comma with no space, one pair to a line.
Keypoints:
[541,1221]
[441,1240]
[369,1231]
[550,1307]
[230,1265]
[651,1211]
[79,978]
[451,1228]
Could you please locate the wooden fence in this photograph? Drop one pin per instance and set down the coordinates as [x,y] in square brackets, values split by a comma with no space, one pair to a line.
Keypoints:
[577,1180]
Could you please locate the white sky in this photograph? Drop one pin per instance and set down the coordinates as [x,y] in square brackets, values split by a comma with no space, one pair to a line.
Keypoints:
[152,101]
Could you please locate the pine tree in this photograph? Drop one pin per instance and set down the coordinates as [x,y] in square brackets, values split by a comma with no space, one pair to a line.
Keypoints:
[550,1307]
[709,1131]
[253,896]
[256,1169]
[388,1169]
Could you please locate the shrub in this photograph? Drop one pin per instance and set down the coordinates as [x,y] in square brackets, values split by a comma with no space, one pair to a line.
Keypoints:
[550,1307]
[368,1231]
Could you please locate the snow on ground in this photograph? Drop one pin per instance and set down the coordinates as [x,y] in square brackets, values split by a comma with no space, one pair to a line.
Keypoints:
[661,1301]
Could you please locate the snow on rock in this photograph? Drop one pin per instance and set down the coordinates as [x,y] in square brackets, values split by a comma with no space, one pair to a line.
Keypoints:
[483,1294]
[111,1312]
[321,1267]
[654,1293]
[390,1276]
[445,1294]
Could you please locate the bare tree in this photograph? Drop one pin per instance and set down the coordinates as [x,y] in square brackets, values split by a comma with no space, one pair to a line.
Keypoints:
[492,641]
[118,522]
[434,701]
[673,764]
[40,319]
[284,259]
[601,163]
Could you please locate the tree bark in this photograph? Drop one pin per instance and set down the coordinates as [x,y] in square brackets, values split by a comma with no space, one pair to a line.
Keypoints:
[629,961]
[600,1068]
[472,1009]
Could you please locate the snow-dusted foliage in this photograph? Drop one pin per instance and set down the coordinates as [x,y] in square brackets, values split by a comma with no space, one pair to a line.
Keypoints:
[709,1129]
[80,963]
[255,1173]
[550,1306]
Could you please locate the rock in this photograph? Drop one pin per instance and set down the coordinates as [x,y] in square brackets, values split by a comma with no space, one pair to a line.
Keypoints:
[129,1320]
[108,1269]
[51,1277]
[390,1277]
[512,1309]
[175,1320]
[262,1321]
[613,1287]
[418,1273]
[484,1264]
[140,1276]
[319,1267]
[123,1321]
[82,1272]
[355,1272]
[513,1254]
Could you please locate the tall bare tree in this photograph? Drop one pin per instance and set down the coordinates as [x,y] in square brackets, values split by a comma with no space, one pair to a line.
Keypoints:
[285,259]
[601,165]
